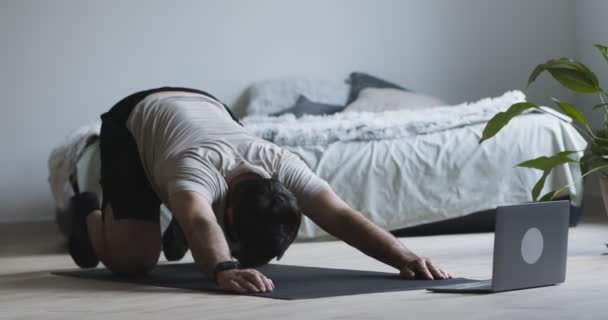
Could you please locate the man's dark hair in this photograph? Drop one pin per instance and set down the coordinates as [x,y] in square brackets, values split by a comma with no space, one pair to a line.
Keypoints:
[266,218]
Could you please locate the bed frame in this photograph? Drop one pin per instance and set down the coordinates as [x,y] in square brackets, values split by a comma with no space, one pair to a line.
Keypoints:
[483,221]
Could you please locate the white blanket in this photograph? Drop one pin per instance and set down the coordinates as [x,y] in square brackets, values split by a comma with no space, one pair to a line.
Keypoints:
[404,182]
[63,158]
[322,130]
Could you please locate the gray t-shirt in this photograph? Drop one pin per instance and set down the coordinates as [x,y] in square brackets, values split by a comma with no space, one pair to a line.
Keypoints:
[189,142]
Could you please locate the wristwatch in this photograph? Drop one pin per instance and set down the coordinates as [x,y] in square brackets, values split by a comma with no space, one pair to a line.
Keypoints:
[225,265]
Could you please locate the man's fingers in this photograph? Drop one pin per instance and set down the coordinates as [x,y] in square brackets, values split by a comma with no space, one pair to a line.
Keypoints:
[436,272]
[235,286]
[447,275]
[249,286]
[245,283]
[268,282]
[256,279]
[423,270]
[407,273]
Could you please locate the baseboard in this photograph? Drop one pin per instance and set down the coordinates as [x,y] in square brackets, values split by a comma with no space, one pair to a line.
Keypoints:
[27,219]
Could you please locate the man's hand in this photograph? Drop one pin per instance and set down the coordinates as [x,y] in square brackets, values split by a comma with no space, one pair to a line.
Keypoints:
[422,268]
[244,281]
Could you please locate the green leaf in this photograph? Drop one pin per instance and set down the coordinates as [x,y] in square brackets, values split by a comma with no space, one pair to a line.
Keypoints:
[501,119]
[547,163]
[548,197]
[535,73]
[599,144]
[598,148]
[574,80]
[570,74]
[571,111]
[593,159]
[539,185]
[600,105]
[584,164]
[601,133]
[590,161]
[575,65]
[603,50]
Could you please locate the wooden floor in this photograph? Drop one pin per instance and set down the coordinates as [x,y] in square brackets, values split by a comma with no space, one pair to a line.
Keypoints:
[28,291]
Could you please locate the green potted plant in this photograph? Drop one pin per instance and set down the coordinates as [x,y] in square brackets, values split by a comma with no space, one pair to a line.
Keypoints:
[576,77]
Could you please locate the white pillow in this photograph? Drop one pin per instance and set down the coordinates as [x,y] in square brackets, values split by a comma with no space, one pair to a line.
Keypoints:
[386,99]
[271,96]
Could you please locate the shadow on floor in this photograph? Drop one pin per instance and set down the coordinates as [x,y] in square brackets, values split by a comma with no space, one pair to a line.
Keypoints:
[44,280]
[31,238]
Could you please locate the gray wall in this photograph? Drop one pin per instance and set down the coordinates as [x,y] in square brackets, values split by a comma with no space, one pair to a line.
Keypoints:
[65,62]
[591,26]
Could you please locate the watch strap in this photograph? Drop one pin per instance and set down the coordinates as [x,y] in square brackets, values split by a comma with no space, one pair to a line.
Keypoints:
[224,266]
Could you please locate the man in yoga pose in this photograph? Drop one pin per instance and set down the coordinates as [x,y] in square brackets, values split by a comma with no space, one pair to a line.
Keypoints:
[237,198]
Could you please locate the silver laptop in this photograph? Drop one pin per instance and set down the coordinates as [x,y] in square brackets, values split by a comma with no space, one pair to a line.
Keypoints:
[530,248]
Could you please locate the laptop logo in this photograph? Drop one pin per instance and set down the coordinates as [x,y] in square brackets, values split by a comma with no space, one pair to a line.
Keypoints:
[532,245]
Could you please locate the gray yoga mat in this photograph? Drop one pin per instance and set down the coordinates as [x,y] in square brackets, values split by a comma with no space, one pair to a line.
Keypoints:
[291,282]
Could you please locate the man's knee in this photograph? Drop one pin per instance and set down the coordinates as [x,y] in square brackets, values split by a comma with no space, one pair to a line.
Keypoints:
[124,263]
[131,251]
[131,247]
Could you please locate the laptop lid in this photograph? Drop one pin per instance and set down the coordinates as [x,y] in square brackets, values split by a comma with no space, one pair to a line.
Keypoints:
[530,245]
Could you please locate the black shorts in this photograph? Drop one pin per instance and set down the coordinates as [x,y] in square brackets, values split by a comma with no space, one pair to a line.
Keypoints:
[123,181]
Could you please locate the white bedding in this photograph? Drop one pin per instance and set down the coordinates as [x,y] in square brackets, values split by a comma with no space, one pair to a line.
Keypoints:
[420,179]
[286,130]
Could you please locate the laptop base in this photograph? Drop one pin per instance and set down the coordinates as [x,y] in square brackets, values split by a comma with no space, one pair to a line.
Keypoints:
[484,286]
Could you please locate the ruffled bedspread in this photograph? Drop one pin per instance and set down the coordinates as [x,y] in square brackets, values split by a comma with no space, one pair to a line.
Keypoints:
[286,130]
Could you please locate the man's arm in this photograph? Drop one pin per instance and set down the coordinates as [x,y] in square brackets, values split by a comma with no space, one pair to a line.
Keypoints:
[208,244]
[333,215]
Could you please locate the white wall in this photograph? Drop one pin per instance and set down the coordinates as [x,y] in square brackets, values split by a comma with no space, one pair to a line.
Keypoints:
[591,27]
[66,61]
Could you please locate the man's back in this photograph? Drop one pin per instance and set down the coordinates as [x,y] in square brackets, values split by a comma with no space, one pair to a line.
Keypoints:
[167,123]
[189,141]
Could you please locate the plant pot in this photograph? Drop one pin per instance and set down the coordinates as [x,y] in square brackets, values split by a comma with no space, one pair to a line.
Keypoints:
[604,189]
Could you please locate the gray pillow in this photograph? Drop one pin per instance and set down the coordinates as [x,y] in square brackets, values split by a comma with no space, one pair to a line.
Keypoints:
[304,106]
[359,81]
[274,95]
[388,99]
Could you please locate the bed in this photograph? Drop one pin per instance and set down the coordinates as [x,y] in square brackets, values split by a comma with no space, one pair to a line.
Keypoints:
[399,181]
[423,179]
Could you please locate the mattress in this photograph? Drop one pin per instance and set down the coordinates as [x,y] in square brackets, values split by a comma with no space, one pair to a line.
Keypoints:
[422,179]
